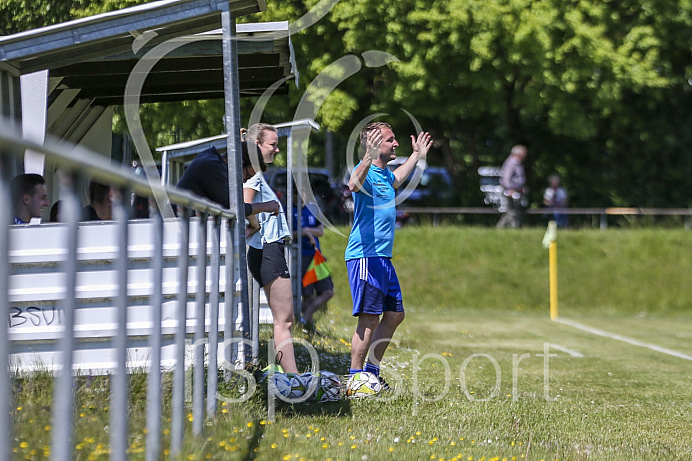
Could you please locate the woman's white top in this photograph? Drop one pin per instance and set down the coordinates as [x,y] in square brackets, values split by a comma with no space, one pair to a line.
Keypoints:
[272,228]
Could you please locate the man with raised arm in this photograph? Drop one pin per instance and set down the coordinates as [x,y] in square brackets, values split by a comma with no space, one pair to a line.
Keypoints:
[375,289]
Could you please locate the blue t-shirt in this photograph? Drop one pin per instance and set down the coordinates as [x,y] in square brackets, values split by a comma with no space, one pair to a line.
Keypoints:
[374,216]
[307,219]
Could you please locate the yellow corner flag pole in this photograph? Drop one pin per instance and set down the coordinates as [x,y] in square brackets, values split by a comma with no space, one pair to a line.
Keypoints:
[550,242]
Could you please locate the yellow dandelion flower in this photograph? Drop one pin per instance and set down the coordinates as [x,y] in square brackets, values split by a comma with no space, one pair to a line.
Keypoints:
[263,422]
[418,433]
[166,452]
[285,436]
[81,415]
[325,446]
[341,444]
[452,443]
[224,410]
[222,443]
[232,439]
[317,429]
[20,408]
[391,449]
[273,445]
[191,457]
[23,445]
[249,424]
[286,458]
[353,447]
[47,427]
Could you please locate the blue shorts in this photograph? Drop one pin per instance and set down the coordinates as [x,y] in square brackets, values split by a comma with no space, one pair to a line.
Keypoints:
[374,286]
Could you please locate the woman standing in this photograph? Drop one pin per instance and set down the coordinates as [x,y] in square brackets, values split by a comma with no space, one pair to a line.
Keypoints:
[266,237]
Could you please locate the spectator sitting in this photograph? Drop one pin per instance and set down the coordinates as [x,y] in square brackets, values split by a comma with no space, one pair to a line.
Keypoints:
[29,197]
[55,211]
[100,209]
[556,197]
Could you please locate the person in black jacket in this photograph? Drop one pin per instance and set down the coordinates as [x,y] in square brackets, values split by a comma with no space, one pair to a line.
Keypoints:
[207,176]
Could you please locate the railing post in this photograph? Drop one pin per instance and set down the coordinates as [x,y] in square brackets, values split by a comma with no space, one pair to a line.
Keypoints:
[61,443]
[178,404]
[198,341]
[153,444]
[688,222]
[213,362]
[119,395]
[5,386]
[604,221]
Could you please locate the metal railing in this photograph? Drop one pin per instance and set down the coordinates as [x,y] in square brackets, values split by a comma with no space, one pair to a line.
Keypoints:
[213,223]
[601,213]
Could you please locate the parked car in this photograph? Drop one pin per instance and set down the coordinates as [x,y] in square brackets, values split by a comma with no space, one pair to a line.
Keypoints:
[326,190]
[435,187]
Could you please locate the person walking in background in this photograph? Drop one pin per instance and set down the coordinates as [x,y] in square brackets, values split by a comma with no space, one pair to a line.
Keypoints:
[315,295]
[29,197]
[375,290]
[556,197]
[513,180]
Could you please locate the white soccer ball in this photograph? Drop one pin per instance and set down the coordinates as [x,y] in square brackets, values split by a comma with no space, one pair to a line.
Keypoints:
[329,389]
[363,384]
[297,384]
[327,386]
[280,385]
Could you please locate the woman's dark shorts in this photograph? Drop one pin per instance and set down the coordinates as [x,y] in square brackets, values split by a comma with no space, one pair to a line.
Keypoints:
[268,264]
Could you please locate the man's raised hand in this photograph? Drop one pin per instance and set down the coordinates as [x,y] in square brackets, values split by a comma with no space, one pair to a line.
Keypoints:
[421,144]
[373,144]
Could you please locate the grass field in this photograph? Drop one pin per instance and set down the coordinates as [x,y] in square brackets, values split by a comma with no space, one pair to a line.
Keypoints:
[473,379]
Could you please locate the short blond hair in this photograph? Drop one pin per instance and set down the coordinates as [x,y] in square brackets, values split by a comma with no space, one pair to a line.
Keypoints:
[369,128]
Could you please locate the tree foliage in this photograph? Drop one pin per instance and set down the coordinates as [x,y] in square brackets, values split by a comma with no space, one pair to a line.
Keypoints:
[599,90]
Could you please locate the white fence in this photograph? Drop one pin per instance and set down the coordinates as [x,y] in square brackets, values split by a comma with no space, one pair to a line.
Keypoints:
[37,288]
[115,296]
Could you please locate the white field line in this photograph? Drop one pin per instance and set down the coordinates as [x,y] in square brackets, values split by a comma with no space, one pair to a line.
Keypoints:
[625,339]
[566,350]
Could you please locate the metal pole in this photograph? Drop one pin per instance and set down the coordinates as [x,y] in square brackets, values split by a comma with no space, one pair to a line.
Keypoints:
[198,339]
[119,399]
[291,255]
[154,380]
[61,443]
[255,319]
[229,305]
[213,363]
[5,269]
[231,85]
[178,404]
